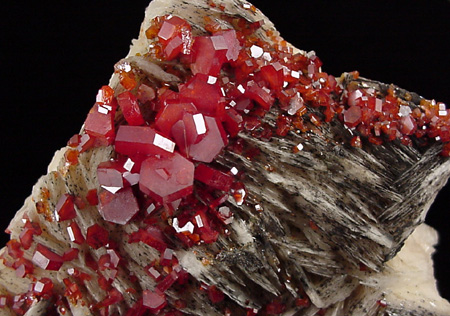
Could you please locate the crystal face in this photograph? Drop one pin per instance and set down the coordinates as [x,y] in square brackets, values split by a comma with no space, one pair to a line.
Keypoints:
[130,108]
[204,183]
[46,259]
[132,140]
[118,207]
[167,179]
[65,208]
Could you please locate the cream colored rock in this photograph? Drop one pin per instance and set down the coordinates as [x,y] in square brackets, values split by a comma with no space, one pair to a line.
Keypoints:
[405,283]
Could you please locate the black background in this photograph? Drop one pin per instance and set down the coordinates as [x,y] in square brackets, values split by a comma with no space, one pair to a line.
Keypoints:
[54,57]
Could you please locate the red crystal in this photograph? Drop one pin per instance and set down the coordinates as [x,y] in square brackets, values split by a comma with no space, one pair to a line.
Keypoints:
[213,178]
[207,233]
[118,207]
[46,259]
[90,261]
[65,208]
[152,236]
[26,235]
[225,48]
[175,35]
[14,249]
[97,236]
[188,131]
[209,54]
[215,295]
[132,140]
[111,175]
[75,234]
[74,141]
[105,95]
[71,157]
[172,113]
[92,197]
[114,257]
[225,215]
[273,76]
[43,287]
[113,297]
[204,92]
[407,125]
[275,308]
[100,123]
[154,301]
[23,267]
[210,144]
[167,257]
[130,108]
[261,95]
[352,116]
[70,254]
[167,282]
[72,290]
[151,271]
[167,179]
[233,122]
[86,142]
[127,79]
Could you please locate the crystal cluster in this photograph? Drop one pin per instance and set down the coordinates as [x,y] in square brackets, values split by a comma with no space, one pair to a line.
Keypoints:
[163,177]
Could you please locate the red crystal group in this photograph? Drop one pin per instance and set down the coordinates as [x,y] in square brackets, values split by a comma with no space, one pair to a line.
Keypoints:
[163,177]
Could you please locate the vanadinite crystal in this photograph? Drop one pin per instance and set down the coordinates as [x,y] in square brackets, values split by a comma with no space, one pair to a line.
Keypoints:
[169,183]
[47,259]
[167,179]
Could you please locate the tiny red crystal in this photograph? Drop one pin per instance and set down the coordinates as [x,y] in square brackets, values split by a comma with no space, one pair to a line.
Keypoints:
[97,236]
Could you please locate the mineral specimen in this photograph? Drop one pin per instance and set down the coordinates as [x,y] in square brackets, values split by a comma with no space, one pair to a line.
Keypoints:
[222,172]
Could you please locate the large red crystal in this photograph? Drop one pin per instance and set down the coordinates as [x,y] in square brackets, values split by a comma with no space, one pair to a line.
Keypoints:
[195,141]
[171,113]
[167,179]
[211,52]
[118,207]
[205,93]
[110,175]
[209,55]
[46,259]
[132,140]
